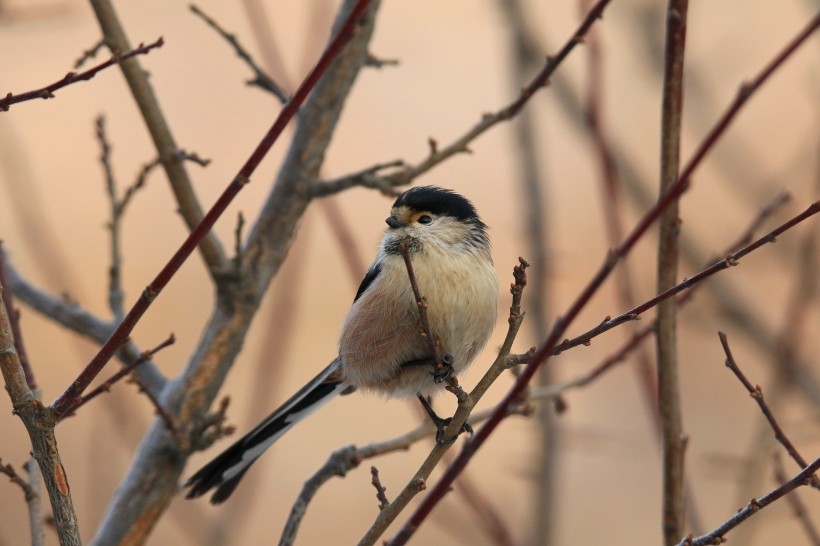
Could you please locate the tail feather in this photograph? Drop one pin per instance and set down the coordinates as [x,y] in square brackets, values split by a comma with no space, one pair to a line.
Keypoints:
[227,468]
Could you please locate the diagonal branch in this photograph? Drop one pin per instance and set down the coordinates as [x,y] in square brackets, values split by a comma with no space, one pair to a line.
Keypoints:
[48,91]
[242,178]
[461,145]
[260,77]
[716,536]
[757,393]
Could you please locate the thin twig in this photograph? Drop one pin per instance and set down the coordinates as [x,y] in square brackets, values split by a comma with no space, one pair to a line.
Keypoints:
[241,179]
[381,493]
[433,342]
[123,372]
[89,54]
[260,79]
[757,393]
[28,492]
[115,292]
[48,91]
[716,536]
[797,506]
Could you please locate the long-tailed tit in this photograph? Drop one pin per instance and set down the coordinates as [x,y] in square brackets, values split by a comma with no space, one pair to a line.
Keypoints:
[381,348]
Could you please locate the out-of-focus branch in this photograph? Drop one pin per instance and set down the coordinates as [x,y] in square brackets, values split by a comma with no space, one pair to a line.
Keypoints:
[669,403]
[187,202]
[716,536]
[48,91]
[535,202]
[77,319]
[31,493]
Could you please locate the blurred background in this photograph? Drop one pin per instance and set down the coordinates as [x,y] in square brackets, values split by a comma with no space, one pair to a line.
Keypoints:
[457,60]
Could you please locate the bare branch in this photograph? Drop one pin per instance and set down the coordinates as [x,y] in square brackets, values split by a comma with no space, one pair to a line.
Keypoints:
[39,422]
[89,54]
[123,372]
[798,508]
[381,494]
[48,91]
[261,78]
[716,536]
[757,393]
[669,403]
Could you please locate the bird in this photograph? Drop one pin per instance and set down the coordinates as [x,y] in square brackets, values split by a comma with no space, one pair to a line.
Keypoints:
[381,346]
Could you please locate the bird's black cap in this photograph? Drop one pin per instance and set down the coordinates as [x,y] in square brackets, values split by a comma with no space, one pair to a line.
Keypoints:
[439,201]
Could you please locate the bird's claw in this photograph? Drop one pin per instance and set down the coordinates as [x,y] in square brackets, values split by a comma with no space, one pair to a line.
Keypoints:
[444,370]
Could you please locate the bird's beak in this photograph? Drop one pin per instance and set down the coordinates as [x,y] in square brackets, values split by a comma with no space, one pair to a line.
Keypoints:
[393,222]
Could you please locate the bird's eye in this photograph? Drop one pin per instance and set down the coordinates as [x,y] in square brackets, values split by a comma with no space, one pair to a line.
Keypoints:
[424,219]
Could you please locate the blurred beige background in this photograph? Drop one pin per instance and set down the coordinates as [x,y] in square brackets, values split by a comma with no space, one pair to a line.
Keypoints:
[455,65]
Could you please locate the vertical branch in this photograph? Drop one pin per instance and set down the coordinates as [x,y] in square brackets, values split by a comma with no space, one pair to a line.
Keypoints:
[39,422]
[135,76]
[525,58]
[669,225]
[115,293]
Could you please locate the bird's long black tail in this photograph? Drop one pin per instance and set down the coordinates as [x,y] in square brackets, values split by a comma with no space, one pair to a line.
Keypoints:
[225,471]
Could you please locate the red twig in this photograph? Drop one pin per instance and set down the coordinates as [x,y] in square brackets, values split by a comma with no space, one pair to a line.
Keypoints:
[757,393]
[727,262]
[74,77]
[640,335]
[242,178]
[674,192]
